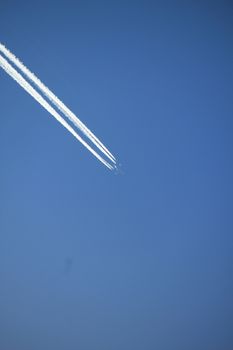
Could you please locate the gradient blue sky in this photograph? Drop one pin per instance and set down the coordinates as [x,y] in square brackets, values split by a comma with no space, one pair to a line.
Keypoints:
[140,261]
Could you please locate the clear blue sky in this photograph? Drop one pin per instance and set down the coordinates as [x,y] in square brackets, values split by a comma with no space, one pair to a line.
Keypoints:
[140,261]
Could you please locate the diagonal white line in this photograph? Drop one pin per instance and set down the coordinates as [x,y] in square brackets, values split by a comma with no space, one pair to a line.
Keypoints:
[26,86]
[58,103]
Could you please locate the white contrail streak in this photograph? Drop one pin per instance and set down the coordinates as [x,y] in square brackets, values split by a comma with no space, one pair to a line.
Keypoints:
[26,86]
[58,103]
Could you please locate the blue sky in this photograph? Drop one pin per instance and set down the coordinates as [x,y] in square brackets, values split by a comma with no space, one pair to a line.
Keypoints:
[142,260]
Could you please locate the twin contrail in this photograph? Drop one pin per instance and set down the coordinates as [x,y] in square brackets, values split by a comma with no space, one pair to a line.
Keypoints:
[110,162]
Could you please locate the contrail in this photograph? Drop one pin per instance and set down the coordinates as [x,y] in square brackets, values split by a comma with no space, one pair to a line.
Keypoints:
[26,86]
[58,103]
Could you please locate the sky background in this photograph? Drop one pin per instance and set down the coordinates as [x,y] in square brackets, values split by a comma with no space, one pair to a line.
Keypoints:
[90,260]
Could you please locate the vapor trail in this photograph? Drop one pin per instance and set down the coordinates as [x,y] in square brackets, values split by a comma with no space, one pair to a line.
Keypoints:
[26,86]
[58,103]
